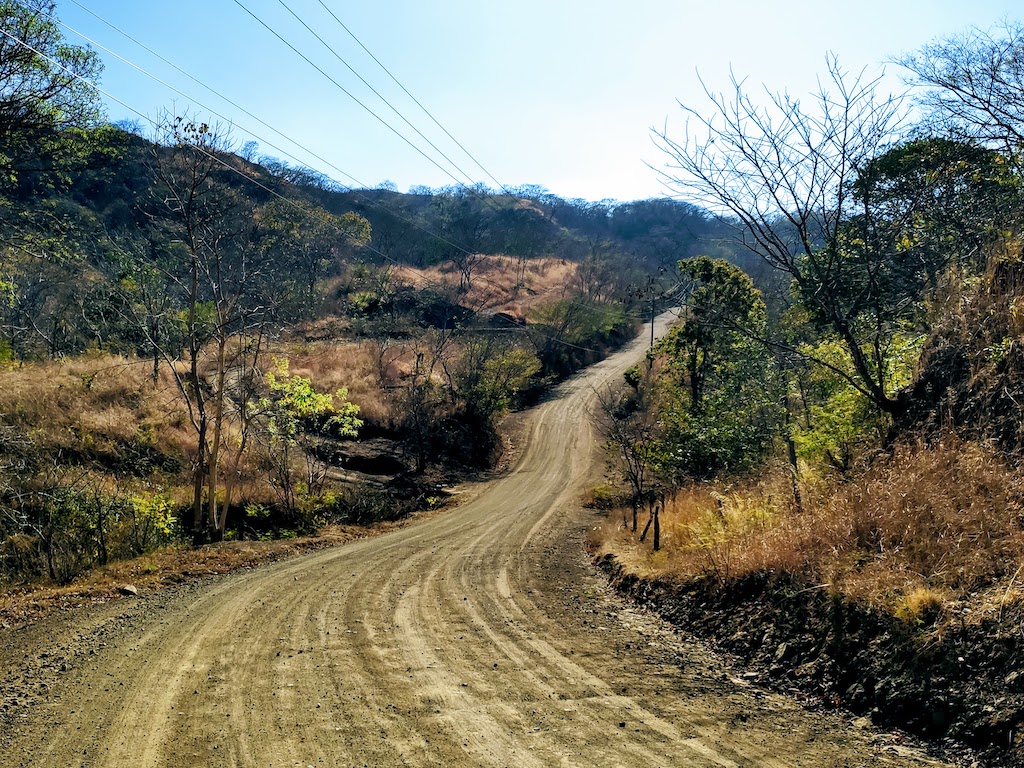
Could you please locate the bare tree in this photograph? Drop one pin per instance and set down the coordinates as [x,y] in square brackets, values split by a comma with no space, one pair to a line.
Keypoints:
[787,173]
[226,290]
[422,395]
[976,82]
[629,422]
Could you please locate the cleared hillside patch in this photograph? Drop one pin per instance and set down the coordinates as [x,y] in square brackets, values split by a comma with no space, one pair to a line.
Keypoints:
[508,284]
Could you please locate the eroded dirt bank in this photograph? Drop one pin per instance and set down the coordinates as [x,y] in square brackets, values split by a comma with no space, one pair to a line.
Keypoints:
[961,684]
[481,636]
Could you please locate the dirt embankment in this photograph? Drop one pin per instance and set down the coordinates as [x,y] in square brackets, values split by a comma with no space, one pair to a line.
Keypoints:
[962,684]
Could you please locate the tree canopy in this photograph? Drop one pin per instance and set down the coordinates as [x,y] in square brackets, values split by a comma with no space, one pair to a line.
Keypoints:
[44,82]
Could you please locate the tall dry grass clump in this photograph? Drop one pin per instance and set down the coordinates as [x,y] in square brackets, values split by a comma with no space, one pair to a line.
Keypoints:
[94,404]
[928,524]
[948,515]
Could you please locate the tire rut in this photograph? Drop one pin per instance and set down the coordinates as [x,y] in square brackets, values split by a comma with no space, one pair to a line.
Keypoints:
[478,637]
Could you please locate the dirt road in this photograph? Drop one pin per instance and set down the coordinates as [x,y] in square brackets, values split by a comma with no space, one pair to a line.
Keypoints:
[480,637]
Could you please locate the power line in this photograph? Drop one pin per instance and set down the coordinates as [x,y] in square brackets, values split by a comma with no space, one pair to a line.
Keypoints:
[415,100]
[368,201]
[198,103]
[195,147]
[372,203]
[259,120]
[220,161]
[375,91]
[348,93]
[484,198]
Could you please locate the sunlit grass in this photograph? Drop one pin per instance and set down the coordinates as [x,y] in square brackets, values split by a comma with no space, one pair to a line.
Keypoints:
[913,534]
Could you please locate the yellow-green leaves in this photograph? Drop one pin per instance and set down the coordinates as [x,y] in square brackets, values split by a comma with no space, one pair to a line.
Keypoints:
[293,401]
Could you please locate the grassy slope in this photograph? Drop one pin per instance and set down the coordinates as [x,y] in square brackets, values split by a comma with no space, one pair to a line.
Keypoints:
[100,421]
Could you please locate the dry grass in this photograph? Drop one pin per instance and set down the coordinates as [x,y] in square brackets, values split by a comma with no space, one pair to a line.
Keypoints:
[926,528]
[98,407]
[331,365]
[92,403]
[502,283]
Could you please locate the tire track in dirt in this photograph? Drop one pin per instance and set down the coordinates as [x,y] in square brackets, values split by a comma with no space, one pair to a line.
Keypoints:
[478,637]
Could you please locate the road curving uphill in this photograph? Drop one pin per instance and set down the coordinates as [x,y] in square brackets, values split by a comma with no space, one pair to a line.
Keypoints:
[479,637]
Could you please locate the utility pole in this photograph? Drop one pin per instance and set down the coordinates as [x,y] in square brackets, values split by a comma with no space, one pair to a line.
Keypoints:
[652,294]
[648,292]
[652,319]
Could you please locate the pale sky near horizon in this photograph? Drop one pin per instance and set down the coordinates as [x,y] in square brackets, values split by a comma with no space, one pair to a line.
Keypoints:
[560,93]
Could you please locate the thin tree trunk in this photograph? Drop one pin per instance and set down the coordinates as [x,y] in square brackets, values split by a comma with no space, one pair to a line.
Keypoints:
[199,475]
[650,519]
[216,518]
[794,474]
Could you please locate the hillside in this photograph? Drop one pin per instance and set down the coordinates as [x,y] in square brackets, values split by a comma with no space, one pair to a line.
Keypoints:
[819,466]
[199,346]
[828,485]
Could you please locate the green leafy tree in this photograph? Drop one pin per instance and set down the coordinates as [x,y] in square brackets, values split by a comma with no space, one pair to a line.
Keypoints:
[490,375]
[151,517]
[296,419]
[718,383]
[722,310]
[44,84]
[787,174]
[49,133]
[143,277]
[309,239]
[936,201]
[571,333]
[486,377]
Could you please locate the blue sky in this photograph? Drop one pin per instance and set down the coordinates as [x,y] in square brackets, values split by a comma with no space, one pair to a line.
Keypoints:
[560,93]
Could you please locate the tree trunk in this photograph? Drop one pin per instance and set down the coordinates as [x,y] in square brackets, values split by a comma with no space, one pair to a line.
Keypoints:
[198,529]
[199,475]
[217,518]
[101,531]
[650,519]
[794,476]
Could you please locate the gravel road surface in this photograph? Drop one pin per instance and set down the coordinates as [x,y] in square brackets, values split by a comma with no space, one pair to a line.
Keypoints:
[478,637]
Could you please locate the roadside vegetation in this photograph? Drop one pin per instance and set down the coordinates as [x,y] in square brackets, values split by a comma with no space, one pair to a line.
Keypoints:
[845,440]
[857,424]
[202,346]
